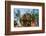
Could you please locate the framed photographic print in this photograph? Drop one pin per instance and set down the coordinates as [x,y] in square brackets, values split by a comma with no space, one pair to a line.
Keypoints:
[24,17]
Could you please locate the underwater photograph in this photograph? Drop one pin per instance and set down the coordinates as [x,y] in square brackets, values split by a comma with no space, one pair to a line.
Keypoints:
[26,17]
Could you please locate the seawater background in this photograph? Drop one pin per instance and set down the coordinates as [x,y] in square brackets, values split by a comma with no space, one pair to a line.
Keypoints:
[29,13]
